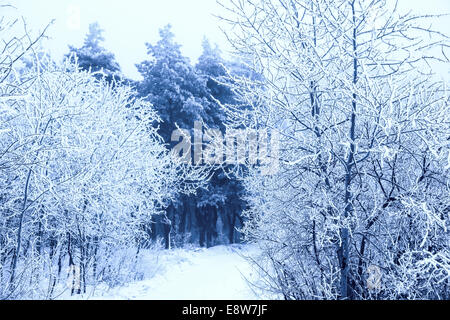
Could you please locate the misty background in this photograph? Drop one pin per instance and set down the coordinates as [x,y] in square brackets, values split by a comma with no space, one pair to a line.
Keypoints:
[130,24]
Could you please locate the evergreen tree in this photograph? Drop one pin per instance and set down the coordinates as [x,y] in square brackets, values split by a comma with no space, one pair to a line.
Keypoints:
[224,196]
[183,94]
[93,56]
[173,86]
[180,95]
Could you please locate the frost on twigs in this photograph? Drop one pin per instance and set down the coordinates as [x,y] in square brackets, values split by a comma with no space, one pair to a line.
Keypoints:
[84,171]
[363,164]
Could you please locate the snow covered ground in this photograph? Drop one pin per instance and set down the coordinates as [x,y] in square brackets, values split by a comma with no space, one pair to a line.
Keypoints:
[199,274]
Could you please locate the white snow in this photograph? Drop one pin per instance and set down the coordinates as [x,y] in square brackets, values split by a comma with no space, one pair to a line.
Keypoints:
[218,273]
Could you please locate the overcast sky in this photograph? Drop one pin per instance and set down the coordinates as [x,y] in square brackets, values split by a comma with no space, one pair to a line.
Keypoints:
[129,24]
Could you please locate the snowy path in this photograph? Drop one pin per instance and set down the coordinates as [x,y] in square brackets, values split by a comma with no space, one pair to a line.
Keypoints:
[214,274]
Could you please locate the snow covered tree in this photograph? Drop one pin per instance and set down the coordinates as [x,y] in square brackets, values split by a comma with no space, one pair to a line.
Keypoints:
[173,86]
[176,91]
[92,56]
[85,172]
[363,180]
[183,95]
[224,198]
[14,46]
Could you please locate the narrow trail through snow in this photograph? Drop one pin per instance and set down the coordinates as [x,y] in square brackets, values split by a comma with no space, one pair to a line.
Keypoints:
[202,274]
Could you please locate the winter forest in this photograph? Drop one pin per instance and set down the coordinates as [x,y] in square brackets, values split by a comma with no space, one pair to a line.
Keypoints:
[310,160]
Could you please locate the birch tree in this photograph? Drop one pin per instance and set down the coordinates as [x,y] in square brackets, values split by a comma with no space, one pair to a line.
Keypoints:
[363,182]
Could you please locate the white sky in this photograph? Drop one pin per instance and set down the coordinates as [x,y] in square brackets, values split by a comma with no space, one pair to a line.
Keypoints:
[129,24]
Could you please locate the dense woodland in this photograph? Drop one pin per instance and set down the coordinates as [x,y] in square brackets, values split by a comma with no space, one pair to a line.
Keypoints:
[181,93]
[88,180]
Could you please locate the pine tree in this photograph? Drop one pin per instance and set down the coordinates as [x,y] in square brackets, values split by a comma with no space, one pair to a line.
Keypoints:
[180,95]
[93,56]
[224,195]
[173,86]
[183,94]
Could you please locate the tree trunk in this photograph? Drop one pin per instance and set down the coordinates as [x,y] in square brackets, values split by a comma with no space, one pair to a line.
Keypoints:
[344,249]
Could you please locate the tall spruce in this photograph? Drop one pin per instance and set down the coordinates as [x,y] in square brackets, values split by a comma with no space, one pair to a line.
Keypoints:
[94,57]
